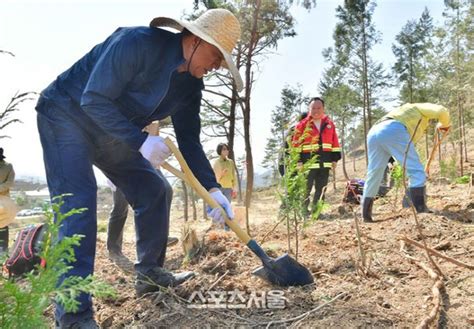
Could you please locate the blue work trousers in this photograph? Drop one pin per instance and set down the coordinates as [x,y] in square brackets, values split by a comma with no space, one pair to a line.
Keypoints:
[71,146]
[385,139]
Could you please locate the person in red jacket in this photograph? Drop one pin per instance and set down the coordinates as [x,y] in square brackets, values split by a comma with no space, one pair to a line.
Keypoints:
[316,135]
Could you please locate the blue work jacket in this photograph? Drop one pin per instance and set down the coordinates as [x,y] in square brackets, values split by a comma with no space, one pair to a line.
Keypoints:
[130,80]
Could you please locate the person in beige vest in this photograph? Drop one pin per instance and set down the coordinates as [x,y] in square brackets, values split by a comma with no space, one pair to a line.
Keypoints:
[7,177]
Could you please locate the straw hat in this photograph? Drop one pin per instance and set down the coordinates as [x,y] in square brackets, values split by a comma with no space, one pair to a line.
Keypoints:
[8,210]
[219,27]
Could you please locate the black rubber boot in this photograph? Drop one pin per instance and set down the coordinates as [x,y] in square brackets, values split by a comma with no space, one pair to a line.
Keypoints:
[418,197]
[367,204]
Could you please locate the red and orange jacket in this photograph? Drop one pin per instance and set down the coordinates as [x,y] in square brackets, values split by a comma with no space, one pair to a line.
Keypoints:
[324,143]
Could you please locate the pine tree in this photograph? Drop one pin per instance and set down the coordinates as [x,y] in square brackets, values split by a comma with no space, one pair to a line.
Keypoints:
[411,49]
[452,68]
[411,52]
[341,102]
[282,117]
[354,37]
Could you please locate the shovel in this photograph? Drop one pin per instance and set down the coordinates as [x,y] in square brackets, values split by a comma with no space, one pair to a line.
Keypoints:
[282,271]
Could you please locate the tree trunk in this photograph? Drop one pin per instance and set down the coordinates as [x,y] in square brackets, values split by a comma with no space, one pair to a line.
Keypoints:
[461,147]
[239,183]
[365,138]
[343,153]
[366,110]
[231,135]
[354,164]
[458,97]
[193,204]
[463,132]
[185,197]
[204,210]
[246,111]
[365,72]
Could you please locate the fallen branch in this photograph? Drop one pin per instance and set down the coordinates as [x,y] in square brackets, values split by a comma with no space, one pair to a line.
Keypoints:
[299,317]
[443,245]
[434,311]
[359,241]
[437,286]
[438,254]
[273,229]
[218,280]
[222,261]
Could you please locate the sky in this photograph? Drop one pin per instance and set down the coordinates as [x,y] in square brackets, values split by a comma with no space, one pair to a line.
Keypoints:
[47,37]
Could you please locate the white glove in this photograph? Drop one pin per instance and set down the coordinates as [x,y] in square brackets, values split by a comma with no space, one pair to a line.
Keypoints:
[111,185]
[215,213]
[155,150]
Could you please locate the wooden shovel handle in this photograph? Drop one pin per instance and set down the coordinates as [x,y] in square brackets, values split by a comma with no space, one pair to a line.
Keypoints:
[433,151]
[188,176]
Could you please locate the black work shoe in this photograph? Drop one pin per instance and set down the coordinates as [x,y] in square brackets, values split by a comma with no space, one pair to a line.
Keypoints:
[367,204]
[88,323]
[418,197]
[172,241]
[159,277]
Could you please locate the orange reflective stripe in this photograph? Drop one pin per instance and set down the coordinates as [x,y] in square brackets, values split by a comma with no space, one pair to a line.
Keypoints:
[310,147]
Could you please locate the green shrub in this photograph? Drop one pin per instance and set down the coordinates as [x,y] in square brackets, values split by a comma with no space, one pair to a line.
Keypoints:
[320,207]
[24,301]
[294,185]
[463,179]
[397,176]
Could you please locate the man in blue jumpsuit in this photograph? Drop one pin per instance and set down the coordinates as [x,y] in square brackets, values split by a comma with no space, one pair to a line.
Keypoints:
[94,113]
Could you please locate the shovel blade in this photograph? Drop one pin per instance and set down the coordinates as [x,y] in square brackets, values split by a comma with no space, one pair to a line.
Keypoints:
[284,271]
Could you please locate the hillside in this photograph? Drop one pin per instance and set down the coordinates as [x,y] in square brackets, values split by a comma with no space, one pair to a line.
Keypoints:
[379,281]
[391,290]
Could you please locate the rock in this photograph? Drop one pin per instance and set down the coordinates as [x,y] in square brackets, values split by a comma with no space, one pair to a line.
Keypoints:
[386,305]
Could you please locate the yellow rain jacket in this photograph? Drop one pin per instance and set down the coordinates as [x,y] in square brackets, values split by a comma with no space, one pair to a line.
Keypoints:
[409,114]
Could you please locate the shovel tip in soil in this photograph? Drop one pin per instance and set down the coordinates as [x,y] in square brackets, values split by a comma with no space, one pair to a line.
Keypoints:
[284,271]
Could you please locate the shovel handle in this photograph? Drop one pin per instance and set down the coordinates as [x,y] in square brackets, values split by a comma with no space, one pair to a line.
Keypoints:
[433,151]
[188,176]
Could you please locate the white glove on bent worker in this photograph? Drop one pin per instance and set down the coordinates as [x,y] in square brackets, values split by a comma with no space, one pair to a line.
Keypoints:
[155,150]
[215,213]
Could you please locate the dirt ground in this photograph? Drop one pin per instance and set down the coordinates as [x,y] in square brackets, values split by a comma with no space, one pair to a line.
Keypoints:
[389,291]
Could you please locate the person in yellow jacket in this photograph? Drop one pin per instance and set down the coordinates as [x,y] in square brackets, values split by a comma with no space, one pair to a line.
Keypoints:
[224,168]
[7,177]
[390,136]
